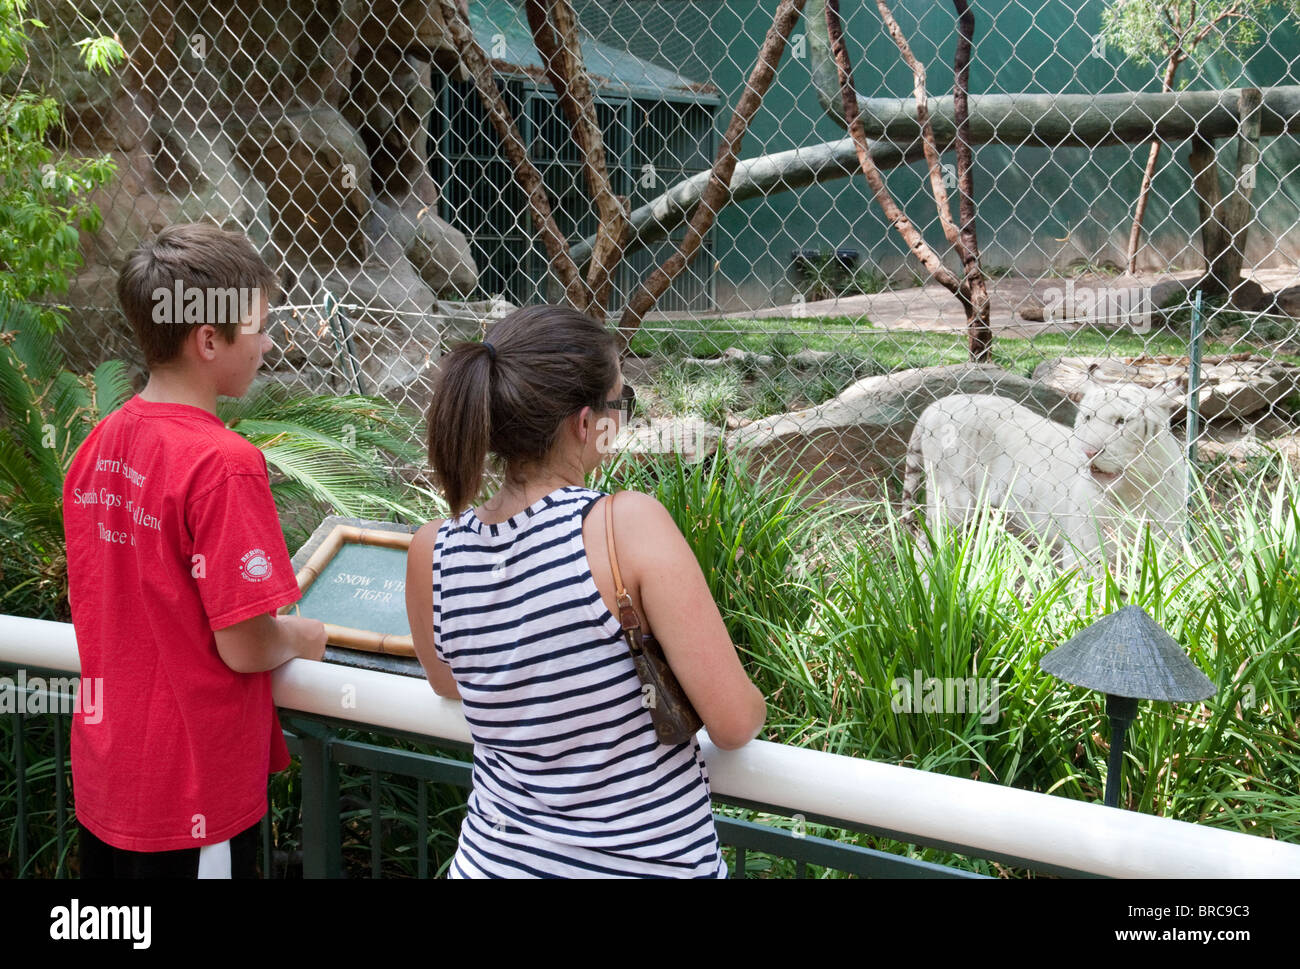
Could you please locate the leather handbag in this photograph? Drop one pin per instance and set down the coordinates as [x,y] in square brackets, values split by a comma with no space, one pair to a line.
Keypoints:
[675,720]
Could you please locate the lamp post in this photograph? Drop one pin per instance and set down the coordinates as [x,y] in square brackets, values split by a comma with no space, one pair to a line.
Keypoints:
[1128,657]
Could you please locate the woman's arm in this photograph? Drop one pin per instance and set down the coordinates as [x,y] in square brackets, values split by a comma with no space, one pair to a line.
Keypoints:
[671,593]
[419,610]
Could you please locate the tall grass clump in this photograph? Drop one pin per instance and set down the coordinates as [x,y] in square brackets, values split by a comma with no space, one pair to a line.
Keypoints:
[752,531]
[980,606]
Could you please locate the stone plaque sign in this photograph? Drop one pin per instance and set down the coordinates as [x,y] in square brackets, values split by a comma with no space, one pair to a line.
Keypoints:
[355,583]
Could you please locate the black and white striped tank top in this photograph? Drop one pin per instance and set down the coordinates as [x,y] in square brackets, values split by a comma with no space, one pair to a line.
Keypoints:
[569,778]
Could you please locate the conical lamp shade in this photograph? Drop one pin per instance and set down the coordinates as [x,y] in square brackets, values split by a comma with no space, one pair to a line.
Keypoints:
[1127,654]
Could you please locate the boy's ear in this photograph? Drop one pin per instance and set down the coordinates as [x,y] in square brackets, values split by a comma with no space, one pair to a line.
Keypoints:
[203,341]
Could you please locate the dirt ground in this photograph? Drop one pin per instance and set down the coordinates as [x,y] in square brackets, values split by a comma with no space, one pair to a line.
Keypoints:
[933,308]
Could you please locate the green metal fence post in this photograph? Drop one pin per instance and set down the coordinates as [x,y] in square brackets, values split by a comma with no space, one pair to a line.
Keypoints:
[1193,404]
[322,844]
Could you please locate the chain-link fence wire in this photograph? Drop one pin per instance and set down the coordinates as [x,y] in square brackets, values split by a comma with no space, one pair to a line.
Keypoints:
[348,141]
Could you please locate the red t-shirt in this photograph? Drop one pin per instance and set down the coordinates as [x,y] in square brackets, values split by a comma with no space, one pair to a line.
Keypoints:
[172,533]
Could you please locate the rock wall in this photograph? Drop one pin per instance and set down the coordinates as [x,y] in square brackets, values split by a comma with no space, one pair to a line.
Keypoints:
[301,124]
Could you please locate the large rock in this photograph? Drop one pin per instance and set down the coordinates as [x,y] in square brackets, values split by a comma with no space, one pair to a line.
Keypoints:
[861,435]
[1233,386]
[437,251]
[301,124]
[206,181]
[317,177]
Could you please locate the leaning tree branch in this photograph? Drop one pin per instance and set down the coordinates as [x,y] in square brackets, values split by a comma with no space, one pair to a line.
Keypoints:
[1149,174]
[927,130]
[476,62]
[555,32]
[717,194]
[896,216]
[765,175]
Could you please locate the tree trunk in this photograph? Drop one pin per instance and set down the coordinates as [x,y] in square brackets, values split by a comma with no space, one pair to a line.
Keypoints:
[1135,234]
[1234,214]
[979,330]
[1205,180]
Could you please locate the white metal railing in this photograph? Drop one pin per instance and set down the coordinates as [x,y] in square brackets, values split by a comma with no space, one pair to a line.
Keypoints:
[1040,828]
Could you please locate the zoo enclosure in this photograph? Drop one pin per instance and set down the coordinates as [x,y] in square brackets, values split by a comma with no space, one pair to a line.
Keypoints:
[342,140]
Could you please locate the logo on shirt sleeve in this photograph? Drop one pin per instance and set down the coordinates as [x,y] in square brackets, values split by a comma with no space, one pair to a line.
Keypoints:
[255,565]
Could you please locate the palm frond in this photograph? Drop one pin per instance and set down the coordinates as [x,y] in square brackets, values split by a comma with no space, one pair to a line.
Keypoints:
[112,387]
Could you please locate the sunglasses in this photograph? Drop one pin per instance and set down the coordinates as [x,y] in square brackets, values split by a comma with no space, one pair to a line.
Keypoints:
[625,405]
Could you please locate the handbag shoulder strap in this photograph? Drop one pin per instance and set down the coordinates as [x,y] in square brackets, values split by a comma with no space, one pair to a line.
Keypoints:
[627,616]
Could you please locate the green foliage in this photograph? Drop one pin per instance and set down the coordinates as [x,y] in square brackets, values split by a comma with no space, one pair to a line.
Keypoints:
[746,526]
[45,414]
[1153,30]
[828,611]
[826,276]
[42,194]
[693,389]
[327,454]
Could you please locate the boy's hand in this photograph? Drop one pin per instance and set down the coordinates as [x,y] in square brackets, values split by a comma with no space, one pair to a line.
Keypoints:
[309,636]
[265,642]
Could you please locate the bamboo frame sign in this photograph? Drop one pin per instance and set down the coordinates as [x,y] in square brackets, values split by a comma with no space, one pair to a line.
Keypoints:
[356,577]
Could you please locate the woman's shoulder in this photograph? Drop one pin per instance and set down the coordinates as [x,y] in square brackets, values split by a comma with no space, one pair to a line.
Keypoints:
[426,536]
[632,503]
[640,519]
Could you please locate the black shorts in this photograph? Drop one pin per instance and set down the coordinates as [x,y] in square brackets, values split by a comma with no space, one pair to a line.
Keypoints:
[100,860]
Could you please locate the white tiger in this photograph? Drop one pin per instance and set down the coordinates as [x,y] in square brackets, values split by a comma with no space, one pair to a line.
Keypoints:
[1074,490]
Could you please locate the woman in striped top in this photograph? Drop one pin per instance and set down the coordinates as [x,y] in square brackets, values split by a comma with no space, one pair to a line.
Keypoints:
[513,611]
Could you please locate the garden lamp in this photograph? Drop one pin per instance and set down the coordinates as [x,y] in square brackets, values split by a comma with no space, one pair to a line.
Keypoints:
[1127,656]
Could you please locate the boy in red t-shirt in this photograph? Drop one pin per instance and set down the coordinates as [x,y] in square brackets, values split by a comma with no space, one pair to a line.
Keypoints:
[176,567]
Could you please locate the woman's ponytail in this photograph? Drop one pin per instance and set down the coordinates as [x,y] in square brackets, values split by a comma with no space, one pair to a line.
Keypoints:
[510,394]
[460,423]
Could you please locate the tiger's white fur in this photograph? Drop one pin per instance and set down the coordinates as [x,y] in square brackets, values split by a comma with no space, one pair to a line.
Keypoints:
[1077,491]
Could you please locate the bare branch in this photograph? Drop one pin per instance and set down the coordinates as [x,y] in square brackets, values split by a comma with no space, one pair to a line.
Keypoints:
[476,62]
[555,32]
[897,218]
[927,130]
[717,194]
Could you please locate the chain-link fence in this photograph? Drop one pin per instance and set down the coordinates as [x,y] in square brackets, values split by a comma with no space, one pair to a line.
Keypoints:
[350,141]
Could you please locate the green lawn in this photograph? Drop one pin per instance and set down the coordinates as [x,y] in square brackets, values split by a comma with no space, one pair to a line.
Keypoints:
[889,350]
[752,391]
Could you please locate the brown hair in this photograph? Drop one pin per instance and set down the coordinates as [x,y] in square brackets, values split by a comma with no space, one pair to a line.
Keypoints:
[221,267]
[550,362]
